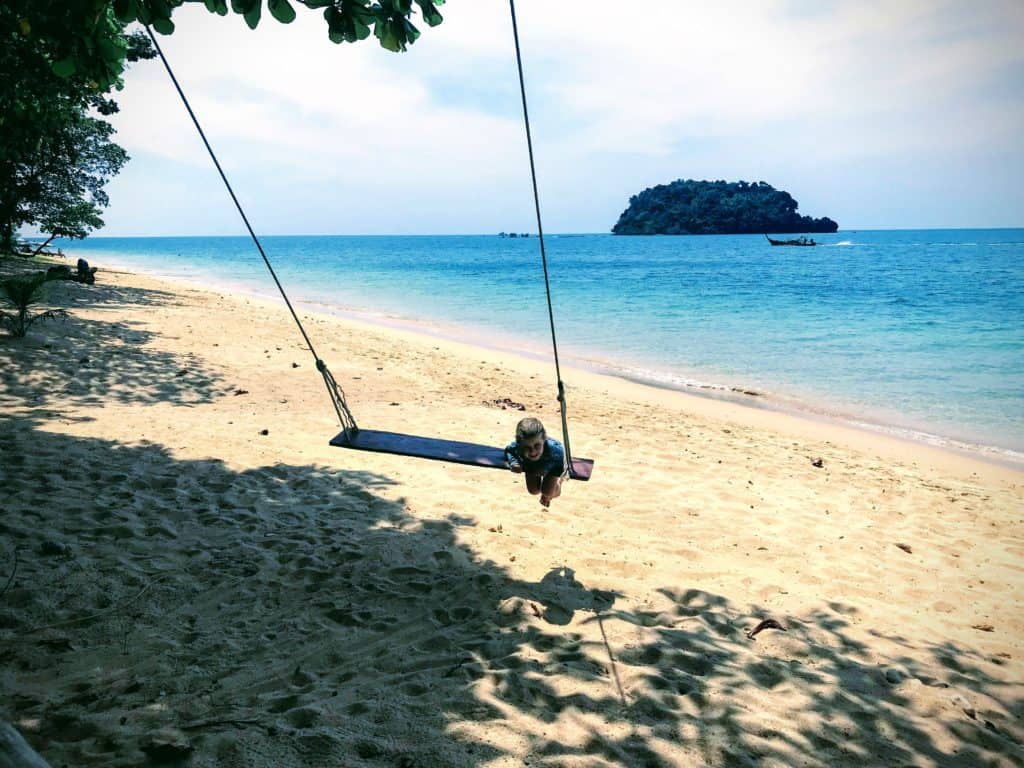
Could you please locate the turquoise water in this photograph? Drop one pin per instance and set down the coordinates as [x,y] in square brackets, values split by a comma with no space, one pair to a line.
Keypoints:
[920,333]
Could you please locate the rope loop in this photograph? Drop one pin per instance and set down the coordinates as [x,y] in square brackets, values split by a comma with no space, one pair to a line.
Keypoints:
[348,421]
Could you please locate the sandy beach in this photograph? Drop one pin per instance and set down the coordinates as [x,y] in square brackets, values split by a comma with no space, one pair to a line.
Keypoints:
[195,577]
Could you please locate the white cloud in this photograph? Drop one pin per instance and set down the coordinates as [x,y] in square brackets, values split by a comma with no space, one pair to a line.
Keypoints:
[618,92]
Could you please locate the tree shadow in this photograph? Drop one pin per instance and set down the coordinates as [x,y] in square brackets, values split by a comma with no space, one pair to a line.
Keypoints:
[100,294]
[59,363]
[701,690]
[296,611]
[287,608]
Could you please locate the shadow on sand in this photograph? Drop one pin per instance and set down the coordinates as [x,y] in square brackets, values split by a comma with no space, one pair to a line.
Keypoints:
[293,616]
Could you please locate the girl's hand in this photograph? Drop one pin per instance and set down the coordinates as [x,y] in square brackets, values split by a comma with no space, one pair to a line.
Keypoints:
[517,468]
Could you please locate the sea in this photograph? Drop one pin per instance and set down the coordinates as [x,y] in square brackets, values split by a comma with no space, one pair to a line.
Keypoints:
[912,333]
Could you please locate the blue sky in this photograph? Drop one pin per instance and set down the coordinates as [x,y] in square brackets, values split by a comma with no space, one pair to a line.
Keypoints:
[877,114]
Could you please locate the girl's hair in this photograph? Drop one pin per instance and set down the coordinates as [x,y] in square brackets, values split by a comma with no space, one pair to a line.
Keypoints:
[528,428]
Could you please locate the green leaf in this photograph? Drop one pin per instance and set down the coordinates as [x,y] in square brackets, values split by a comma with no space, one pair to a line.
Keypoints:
[252,16]
[281,10]
[163,26]
[386,35]
[64,67]
[348,25]
[246,7]
[111,50]
[359,13]
[411,33]
[124,10]
[161,10]
[430,12]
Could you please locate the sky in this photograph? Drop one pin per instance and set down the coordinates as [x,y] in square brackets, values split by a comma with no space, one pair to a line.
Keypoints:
[879,114]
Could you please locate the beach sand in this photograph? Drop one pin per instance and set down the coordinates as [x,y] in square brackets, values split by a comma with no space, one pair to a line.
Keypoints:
[200,579]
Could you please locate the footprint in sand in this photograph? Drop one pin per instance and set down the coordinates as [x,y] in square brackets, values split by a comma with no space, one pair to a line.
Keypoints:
[648,708]
[768,674]
[671,682]
[406,571]
[283,703]
[640,657]
[463,612]
[349,556]
[696,665]
[303,717]
[436,643]
[165,530]
[117,531]
[443,557]
[414,689]
[343,615]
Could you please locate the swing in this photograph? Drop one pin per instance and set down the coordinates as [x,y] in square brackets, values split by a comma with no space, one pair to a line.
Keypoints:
[452,451]
[438,449]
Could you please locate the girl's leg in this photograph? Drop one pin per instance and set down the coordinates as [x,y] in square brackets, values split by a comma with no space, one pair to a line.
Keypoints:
[533,483]
[550,489]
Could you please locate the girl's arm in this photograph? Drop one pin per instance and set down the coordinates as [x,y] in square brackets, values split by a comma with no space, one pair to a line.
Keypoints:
[512,457]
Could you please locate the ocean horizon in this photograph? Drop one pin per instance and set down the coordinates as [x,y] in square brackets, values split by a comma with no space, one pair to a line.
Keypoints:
[912,333]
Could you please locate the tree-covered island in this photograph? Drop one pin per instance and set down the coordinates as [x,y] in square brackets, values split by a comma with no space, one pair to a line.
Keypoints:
[715,208]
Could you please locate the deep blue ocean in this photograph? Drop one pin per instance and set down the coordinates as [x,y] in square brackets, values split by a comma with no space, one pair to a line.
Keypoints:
[918,333]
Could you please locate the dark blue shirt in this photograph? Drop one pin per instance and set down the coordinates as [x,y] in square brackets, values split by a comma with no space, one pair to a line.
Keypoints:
[551,461]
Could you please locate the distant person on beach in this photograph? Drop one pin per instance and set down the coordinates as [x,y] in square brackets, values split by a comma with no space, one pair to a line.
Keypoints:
[539,457]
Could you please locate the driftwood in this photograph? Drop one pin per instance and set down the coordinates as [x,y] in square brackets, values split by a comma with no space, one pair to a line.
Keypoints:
[15,751]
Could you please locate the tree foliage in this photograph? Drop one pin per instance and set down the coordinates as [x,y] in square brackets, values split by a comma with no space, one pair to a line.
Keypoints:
[55,148]
[86,37]
[60,60]
[715,208]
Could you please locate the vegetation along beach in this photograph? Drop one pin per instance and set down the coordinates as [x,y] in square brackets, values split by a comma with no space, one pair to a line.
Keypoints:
[801,543]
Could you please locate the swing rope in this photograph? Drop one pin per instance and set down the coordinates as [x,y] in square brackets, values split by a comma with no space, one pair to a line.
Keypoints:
[334,391]
[543,253]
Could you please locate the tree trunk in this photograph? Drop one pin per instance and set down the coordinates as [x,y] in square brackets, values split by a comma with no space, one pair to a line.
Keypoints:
[6,238]
[40,248]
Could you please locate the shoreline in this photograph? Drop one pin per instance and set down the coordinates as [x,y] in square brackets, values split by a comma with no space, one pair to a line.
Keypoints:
[817,413]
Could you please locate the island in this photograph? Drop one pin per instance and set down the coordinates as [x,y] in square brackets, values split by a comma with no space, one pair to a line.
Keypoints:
[715,208]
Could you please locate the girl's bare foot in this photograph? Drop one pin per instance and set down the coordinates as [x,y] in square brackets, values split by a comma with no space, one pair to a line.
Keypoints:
[545,501]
